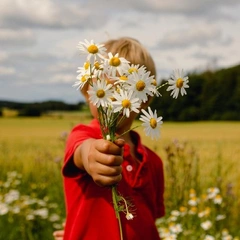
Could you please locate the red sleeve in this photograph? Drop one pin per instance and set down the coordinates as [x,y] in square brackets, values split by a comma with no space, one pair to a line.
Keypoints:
[78,135]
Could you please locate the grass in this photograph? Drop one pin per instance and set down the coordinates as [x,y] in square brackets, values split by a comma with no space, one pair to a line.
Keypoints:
[34,147]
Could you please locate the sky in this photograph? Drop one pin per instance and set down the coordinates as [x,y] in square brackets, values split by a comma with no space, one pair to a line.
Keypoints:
[38,39]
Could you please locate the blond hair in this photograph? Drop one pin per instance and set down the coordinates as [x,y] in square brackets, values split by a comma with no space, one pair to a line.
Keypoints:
[133,51]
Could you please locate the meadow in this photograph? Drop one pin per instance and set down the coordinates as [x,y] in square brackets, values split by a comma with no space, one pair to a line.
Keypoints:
[201,176]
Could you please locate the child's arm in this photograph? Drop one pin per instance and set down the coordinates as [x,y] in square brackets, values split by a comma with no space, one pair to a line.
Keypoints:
[101,159]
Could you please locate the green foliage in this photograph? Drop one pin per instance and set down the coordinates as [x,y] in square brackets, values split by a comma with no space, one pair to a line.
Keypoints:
[211,96]
[38,108]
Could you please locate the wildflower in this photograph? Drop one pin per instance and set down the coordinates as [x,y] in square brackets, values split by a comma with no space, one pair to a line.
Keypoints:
[141,85]
[151,123]
[192,193]
[164,232]
[183,210]
[206,225]
[42,212]
[117,64]
[217,199]
[209,237]
[176,228]
[82,80]
[100,94]
[95,51]
[54,217]
[177,83]
[175,213]
[12,196]
[30,217]
[3,209]
[126,102]
[193,210]
[129,216]
[212,192]
[193,201]
[136,68]
[220,217]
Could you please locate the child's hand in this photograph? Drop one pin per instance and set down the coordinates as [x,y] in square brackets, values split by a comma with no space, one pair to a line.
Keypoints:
[102,160]
[58,234]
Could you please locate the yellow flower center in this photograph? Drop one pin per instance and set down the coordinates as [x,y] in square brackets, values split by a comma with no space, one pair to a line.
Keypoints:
[126,103]
[153,123]
[92,49]
[97,65]
[182,209]
[132,69]
[179,82]
[124,78]
[140,85]
[100,93]
[115,61]
[84,78]
[86,65]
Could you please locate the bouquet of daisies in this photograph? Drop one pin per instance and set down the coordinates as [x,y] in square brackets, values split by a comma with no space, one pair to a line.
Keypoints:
[118,88]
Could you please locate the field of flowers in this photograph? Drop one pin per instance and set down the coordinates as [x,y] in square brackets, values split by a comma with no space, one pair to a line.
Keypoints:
[201,176]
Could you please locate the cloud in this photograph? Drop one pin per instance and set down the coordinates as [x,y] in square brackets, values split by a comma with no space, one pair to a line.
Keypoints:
[196,35]
[17,37]
[46,14]
[7,71]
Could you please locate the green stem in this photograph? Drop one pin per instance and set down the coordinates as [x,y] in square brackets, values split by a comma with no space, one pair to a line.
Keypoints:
[127,131]
[115,205]
[164,84]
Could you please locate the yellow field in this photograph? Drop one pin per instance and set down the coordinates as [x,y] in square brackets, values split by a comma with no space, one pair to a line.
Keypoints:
[35,147]
[211,140]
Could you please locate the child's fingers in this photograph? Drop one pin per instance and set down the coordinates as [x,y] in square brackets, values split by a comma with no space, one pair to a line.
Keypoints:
[108,147]
[58,235]
[119,142]
[103,180]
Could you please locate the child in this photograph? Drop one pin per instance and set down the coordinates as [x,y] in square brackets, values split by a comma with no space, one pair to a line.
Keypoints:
[93,164]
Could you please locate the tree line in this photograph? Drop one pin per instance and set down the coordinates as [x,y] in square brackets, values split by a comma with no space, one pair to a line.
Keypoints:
[36,109]
[213,95]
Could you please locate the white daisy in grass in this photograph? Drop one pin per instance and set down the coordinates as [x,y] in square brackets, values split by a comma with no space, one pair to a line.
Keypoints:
[100,93]
[125,102]
[94,51]
[141,85]
[206,225]
[178,83]
[116,65]
[151,123]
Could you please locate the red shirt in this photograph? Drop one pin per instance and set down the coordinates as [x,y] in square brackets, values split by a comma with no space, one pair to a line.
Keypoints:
[90,213]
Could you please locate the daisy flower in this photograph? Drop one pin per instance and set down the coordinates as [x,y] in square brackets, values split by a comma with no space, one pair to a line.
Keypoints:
[136,68]
[141,85]
[126,102]
[116,64]
[83,78]
[178,83]
[151,123]
[206,225]
[100,93]
[95,51]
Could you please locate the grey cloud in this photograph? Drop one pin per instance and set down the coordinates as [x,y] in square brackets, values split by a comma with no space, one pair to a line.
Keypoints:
[48,14]
[23,37]
[200,36]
